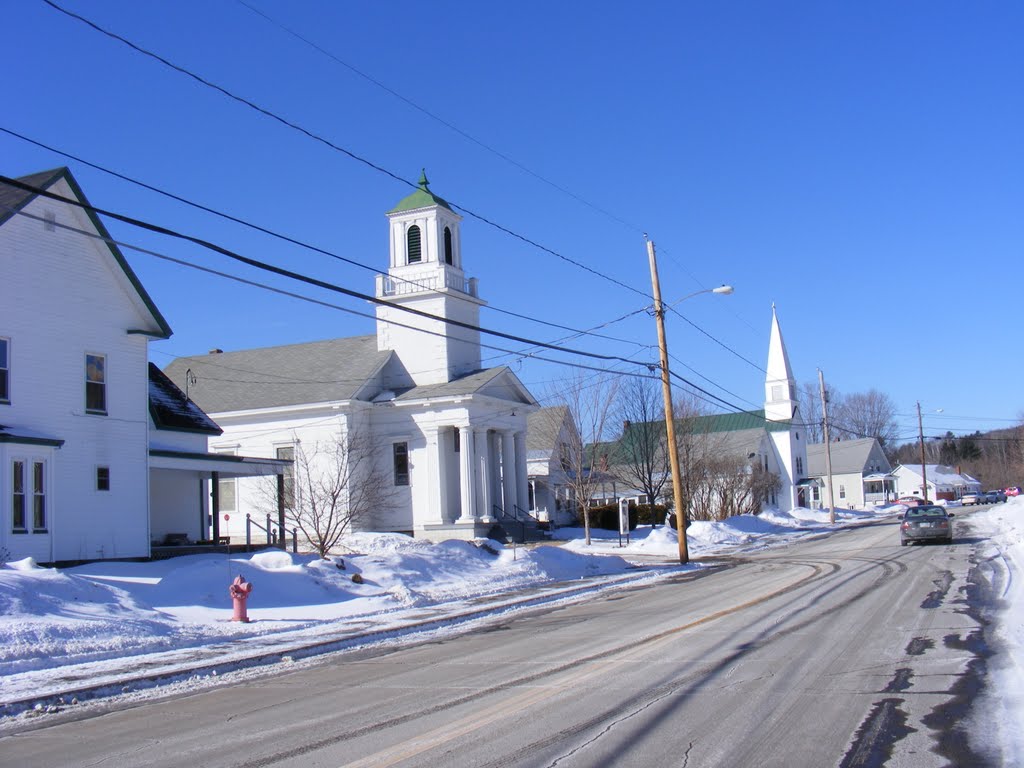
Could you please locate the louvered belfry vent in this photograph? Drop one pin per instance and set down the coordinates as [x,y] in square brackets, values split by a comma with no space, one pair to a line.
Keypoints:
[413,245]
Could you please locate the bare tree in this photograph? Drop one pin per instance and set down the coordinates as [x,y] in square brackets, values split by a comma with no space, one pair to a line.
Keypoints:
[641,460]
[866,414]
[334,485]
[810,410]
[697,446]
[590,400]
[735,487]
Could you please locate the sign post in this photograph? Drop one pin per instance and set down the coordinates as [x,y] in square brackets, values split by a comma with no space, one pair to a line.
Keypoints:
[623,520]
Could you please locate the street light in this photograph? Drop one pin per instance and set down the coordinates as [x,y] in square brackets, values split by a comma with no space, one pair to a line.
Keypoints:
[666,387]
[722,289]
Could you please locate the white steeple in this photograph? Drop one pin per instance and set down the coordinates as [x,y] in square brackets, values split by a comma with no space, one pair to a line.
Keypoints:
[779,384]
[425,273]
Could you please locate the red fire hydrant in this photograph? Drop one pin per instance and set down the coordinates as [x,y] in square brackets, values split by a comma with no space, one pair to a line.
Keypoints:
[240,590]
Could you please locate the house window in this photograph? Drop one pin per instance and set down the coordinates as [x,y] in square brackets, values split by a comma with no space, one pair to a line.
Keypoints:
[412,245]
[38,496]
[102,478]
[447,245]
[401,456]
[842,491]
[18,498]
[288,452]
[96,384]
[5,370]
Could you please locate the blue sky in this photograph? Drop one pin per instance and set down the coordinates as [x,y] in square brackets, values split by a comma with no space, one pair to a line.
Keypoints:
[858,164]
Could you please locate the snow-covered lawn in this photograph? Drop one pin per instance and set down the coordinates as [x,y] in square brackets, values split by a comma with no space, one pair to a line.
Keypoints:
[111,614]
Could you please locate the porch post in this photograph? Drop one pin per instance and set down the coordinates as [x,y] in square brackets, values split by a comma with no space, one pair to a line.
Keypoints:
[281,534]
[215,505]
[467,474]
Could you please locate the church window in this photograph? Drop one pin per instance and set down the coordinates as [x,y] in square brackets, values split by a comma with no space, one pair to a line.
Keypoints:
[776,392]
[799,465]
[455,433]
[413,248]
[842,491]
[401,460]
[447,245]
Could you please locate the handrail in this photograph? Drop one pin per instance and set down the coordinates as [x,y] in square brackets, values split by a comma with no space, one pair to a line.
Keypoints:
[275,536]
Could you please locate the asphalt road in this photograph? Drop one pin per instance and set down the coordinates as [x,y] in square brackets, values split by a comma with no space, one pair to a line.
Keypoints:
[847,650]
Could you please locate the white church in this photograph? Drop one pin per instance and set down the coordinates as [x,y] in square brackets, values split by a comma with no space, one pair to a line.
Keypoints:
[446,438]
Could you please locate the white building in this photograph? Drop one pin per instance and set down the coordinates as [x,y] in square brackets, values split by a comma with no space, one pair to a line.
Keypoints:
[76,410]
[861,474]
[944,483]
[447,437]
[550,434]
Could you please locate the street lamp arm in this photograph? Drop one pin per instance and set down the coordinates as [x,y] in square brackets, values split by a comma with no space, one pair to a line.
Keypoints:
[722,289]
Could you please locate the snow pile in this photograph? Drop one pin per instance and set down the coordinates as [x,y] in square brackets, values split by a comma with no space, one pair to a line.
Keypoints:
[1003,525]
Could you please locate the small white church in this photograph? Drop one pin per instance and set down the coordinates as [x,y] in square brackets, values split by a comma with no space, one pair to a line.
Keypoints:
[445,438]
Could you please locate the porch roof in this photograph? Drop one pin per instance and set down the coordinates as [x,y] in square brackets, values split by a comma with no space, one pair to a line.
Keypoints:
[224,464]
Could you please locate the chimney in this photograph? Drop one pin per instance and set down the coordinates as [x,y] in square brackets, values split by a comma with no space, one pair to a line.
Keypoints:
[625,425]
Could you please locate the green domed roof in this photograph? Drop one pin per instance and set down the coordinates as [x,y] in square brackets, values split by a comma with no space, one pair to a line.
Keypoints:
[421,198]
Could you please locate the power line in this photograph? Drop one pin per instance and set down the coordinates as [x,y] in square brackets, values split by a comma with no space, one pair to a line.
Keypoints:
[305,279]
[328,143]
[296,275]
[722,344]
[438,119]
[280,236]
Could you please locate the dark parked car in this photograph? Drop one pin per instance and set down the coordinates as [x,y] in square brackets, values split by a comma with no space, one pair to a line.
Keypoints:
[995,497]
[926,523]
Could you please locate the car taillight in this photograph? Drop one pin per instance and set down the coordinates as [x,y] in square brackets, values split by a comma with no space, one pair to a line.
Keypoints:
[906,524]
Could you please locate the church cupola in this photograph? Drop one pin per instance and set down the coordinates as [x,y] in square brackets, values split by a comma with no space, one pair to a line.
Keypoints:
[424,230]
[425,272]
[779,384]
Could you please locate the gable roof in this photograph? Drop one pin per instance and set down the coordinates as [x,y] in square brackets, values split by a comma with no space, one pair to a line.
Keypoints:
[470,384]
[14,198]
[293,374]
[847,456]
[939,474]
[170,409]
[544,426]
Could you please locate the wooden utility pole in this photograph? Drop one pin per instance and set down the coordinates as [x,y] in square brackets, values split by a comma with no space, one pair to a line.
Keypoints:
[828,448]
[920,437]
[670,427]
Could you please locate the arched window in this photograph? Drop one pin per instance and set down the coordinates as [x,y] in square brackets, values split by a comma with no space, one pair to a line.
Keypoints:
[447,246]
[412,245]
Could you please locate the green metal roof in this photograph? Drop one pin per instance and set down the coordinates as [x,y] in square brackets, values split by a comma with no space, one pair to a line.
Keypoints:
[421,198]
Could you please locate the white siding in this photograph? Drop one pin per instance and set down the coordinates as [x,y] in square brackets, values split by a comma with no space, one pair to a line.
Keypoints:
[63,296]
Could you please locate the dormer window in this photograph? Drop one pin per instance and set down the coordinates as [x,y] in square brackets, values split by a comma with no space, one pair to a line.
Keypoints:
[447,245]
[413,249]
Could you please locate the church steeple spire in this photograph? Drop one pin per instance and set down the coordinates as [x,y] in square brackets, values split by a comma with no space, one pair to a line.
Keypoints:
[779,384]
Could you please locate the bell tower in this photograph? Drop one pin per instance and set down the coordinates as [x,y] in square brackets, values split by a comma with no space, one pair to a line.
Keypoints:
[425,273]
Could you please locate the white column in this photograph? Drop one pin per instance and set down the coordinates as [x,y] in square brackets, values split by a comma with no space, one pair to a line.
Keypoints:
[508,470]
[484,466]
[467,474]
[435,491]
[522,481]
